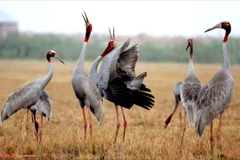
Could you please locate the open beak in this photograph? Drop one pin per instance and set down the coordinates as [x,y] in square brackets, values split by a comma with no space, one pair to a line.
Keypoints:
[112,36]
[85,19]
[59,59]
[188,46]
[217,26]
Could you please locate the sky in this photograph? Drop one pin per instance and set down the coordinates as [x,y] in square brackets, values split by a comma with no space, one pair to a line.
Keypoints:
[155,18]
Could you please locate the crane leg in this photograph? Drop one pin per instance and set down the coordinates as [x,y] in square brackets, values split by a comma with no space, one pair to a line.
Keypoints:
[211,138]
[184,128]
[40,131]
[118,125]
[90,124]
[218,131]
[124,124]
[180,119]
[85,123]
[35,126]
[27,125]
[20,126]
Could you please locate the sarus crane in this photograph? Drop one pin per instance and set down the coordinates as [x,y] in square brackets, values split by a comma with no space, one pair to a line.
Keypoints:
[216,95]
[84,88]
[189,91]
[117,79]
[28,96]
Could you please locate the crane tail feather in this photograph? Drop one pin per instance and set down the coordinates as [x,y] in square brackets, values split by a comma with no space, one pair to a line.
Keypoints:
[203,118]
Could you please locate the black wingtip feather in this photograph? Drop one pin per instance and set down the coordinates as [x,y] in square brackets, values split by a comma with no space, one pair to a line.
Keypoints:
[143,99]
[120,93]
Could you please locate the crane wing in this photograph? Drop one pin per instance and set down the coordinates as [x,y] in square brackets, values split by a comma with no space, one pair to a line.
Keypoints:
[118,93]
[93,99]
[24,97]
[43,105]
[189,91]
[107,70]
[213,99]
[127,62]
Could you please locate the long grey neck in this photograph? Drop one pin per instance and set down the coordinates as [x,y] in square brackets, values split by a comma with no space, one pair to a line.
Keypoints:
[93,72]
[191,69]
[226,65]
[48,77]
[80,63]
[176,104]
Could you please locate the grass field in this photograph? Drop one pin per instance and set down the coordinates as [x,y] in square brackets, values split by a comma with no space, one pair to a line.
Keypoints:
[145,138]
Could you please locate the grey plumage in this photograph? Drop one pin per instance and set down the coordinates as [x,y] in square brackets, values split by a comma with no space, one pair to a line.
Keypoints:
[43,106]
[136,83]
[84,88]
[125,69]
[190,88]
[117,79]
[214,99]
[176,92]
[28,95]
[216,95]
[109,84]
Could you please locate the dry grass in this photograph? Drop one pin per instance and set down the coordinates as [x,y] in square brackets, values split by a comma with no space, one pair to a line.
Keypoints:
[145,136]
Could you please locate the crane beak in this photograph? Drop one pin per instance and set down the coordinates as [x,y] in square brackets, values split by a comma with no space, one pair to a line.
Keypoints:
[216,26]
[85,19]
[59,59]
[188,46]
[112,36]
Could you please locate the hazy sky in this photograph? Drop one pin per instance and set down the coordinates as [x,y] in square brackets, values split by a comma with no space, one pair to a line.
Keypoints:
[158,18]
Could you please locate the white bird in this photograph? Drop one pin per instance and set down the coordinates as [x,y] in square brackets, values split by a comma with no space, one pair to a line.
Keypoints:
[216,95]
[114,81]
[189,90]
[84,88]
[28,95]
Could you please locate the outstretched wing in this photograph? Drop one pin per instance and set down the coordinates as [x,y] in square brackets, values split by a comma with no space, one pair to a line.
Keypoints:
[143,98]
[127,61]
[136,83]
[107,70]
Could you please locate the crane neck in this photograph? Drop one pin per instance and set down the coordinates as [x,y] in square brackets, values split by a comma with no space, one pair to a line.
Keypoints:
[80,63]
[191,51]
[226,65]
[191,68]
[176,104]
[93,72]
[47,79]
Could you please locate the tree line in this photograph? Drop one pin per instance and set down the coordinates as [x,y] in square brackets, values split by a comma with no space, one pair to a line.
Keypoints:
[152,49]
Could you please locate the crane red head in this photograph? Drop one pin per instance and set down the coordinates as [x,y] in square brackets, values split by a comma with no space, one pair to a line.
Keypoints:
[224,25]
[88,27]
[111,43]
[52,53]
